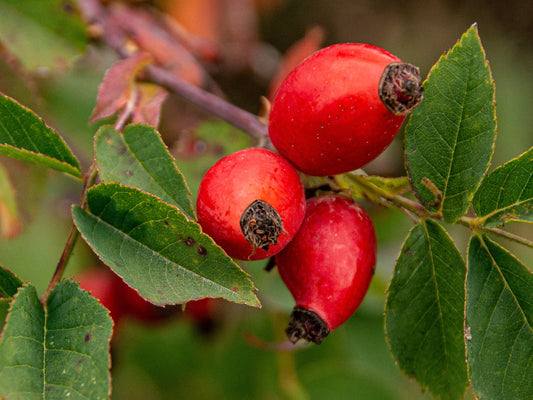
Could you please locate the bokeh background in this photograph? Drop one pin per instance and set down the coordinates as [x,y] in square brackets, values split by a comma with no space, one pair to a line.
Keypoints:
[225,354]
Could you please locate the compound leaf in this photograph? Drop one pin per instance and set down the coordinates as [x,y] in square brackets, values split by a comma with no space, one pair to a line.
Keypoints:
[424,311]
[499,318]
[24,136]
[58,351]
[507,193]
[157,250]
[450,136]
[138,157]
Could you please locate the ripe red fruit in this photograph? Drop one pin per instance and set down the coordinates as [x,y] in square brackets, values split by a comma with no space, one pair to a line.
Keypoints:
[203,313]
[101,283]
[115,295]
[328,266]
[251,203]
[136,306]
[341,107]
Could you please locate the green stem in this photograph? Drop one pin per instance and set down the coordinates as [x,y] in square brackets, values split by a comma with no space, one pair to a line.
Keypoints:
[89,180]
[510,236]
[410,207]
[386,199]
[116,39]
[476,224]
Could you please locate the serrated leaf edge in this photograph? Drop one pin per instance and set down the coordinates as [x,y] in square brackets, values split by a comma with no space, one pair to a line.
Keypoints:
[246,274]
[180,209]
[428,204]
[426,236]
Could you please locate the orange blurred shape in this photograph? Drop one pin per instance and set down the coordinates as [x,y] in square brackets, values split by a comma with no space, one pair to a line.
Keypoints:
[10,226]
[200,17]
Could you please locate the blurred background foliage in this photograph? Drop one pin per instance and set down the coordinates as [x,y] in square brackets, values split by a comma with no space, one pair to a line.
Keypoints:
[229,357]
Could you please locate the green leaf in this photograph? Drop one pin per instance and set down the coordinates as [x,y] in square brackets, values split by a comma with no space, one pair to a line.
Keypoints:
[9,285]
[199,150]
[42,33]
[499,318]
[60,351]
[157,250]
[450,136]
[24,136]
[424,311]
[507,193]
[139,158]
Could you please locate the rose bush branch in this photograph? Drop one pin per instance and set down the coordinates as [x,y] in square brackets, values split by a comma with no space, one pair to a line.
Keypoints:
[230,113]
[412,208]
[116,37]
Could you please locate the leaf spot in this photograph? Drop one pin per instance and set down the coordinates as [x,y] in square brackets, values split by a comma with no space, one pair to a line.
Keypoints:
[202,251]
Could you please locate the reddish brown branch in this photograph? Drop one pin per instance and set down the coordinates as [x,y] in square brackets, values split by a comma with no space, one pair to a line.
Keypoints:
[89,180]
[116,37]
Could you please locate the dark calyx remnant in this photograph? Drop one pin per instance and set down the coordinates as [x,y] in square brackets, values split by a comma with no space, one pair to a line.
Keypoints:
[400,88]
[306,324]
[261,224]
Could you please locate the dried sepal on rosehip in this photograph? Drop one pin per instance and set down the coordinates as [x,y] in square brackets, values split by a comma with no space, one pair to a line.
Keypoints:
[327,266]
[251,203]
[341,107]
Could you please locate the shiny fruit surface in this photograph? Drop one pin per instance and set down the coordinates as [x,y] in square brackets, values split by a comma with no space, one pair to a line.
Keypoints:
[328,265]
[251,203]
[341,107]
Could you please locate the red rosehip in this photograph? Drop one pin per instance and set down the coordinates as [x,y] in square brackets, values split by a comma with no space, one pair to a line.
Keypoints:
[102,284]
[136,306]
[328,266]
[203,313]
[115,295]
[251,203]
[341,107]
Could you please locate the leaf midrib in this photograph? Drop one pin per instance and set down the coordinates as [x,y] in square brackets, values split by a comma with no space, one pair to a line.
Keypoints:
[158,255]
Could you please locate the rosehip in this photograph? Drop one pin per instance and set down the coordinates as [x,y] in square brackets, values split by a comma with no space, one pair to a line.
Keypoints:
[251,203]
[101,283]
[203,313]
[115,295]
[328,266]
[341,107]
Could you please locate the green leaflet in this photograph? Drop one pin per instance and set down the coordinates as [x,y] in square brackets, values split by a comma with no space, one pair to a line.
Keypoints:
[499,322]
[449,138]
[138,157]
[507,193]
[424,311]
[157,250]
[42,33]
[57,352]
[24,136]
